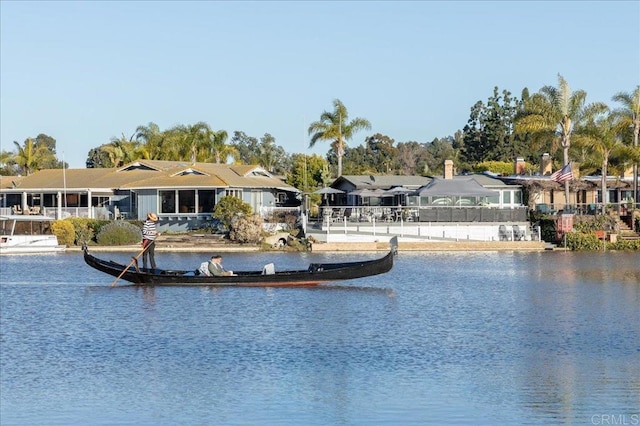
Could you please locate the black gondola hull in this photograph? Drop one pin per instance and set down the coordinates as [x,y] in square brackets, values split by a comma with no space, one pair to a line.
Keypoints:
[317,273]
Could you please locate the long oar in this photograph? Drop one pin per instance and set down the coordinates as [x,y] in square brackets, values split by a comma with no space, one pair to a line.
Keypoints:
[134,260]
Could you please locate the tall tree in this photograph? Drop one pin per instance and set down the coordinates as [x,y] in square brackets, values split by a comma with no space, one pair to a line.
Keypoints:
[488,135]
[556,111]
[601,137]
[381,153]
[271,156]
[219,148]
[335,126]
[191,141]
[412,158]
[151,140]
[437,152]
[28,156]
[246,146]
[120,151]
[307,171]
[629,116]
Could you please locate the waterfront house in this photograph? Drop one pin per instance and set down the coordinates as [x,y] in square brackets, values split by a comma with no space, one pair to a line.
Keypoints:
[183,194]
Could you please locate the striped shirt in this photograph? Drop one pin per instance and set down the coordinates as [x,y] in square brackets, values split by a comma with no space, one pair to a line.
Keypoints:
[149,230]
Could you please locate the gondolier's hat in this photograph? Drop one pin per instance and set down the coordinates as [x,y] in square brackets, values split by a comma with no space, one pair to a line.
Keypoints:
[152,217]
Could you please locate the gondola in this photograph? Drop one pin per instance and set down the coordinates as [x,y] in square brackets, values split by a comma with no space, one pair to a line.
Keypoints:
[315,274]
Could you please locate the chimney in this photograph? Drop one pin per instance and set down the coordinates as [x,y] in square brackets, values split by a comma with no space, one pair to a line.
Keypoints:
[520,167]
[448,169]
[545,164]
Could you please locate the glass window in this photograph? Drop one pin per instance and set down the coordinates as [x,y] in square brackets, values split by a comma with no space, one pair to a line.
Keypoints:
[168,201]
[206,200]
[49,200]
[233,193]
[517,197]
[187,201]
[506,197]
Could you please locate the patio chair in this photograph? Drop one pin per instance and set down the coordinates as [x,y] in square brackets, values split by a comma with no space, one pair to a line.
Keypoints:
[17,209]
[518,234]
[503,234]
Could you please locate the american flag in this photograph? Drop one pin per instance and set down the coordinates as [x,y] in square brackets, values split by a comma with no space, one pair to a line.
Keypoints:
[564,174]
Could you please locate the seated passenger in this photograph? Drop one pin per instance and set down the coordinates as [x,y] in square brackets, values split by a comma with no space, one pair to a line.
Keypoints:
[216,268]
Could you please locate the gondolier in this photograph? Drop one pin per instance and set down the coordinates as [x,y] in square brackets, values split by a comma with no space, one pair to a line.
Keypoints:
[149,235]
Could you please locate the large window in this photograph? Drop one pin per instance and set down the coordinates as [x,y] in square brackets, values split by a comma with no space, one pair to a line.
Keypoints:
[206,200]
[167,201]
[50,200]
[517,197]
[506,197]
[187,201]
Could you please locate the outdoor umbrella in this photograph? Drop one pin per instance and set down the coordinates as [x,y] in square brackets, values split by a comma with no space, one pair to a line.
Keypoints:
[397,190]
[328,190]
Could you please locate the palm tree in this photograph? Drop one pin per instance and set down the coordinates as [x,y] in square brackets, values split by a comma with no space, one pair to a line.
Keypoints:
[333,126]
[601,137]
[217,146]
[120,151]
[556,111]
[192,140]
[5,158]
[151,139]
[27,156]
[629,116]
[268,152]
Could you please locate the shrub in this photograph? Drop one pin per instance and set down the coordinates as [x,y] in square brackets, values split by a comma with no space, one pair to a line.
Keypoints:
[86,229]
[583,241]
[624,245]
[247,229]
[119,233]
[64,231]
[229,208]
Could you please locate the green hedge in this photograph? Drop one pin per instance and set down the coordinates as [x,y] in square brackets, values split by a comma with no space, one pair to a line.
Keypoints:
[78,230]
[588,241]
[119,233]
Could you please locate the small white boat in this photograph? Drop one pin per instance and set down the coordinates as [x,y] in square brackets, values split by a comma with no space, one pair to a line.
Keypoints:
[23,234]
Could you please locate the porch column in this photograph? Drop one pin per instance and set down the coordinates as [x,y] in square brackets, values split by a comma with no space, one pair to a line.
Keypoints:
[90,211]
[24,201]
[59,205]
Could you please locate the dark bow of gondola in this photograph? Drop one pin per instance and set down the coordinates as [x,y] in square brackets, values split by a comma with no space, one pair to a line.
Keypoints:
[316,273]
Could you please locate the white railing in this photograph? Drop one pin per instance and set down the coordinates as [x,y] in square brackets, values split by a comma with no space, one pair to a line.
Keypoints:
[435,231]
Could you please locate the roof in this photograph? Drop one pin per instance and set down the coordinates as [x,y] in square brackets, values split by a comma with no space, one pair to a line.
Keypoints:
[148,174]
[459,187]
[381,181]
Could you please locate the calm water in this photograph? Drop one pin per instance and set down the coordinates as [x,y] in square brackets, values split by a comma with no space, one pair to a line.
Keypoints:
[444,338]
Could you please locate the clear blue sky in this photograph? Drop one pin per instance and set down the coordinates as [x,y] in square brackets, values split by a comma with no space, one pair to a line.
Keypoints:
[84,72]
